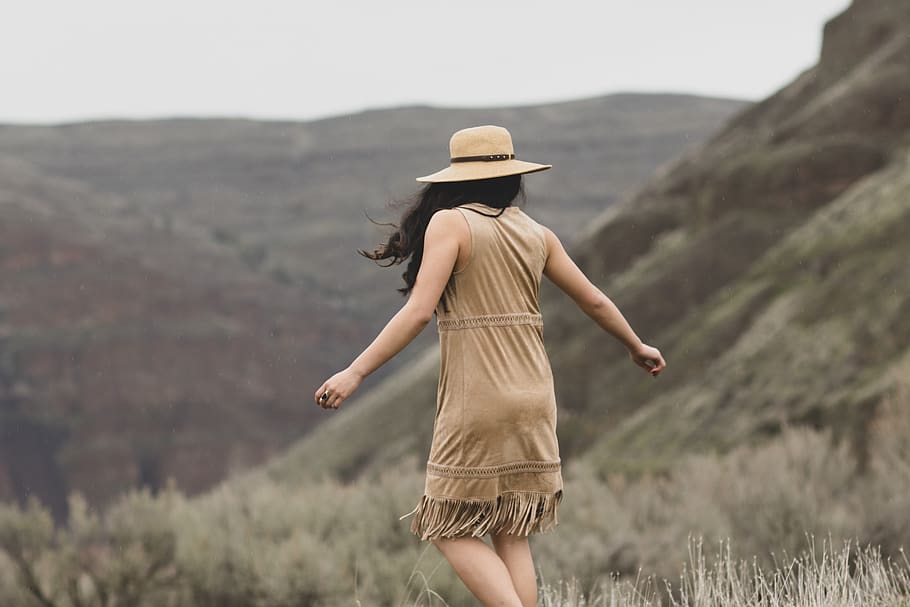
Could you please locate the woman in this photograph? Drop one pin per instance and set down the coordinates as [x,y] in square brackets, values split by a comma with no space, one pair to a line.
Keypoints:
[476,261]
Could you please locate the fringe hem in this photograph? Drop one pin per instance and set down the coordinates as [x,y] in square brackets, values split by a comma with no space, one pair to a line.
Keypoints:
[514,512]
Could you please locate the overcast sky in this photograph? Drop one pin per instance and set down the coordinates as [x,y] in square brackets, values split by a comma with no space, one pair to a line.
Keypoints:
[65,61]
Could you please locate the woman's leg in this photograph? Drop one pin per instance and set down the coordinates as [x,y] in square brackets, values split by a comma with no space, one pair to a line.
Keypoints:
[515,552]
[481,570]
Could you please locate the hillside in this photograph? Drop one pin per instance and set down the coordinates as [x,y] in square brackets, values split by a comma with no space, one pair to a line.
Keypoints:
[173,290]
[292,199]
[768,265]
[129,356]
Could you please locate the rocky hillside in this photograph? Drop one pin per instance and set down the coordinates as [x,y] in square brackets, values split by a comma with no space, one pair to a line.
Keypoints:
[173,291]
[768,265]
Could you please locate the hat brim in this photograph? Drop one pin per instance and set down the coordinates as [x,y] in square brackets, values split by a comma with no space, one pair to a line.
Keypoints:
[481,169]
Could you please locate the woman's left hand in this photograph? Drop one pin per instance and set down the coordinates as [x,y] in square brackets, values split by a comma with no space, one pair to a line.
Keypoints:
[339,386]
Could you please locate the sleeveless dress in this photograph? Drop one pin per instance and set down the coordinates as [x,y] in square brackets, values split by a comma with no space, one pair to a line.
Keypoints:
[494,461]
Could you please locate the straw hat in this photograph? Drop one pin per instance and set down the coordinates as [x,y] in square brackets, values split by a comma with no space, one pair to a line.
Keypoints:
[481,152]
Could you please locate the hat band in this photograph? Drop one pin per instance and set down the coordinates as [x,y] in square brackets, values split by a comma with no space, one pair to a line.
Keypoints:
[485,158]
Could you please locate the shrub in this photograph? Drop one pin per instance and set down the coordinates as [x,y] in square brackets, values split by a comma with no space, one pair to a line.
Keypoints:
[261,543]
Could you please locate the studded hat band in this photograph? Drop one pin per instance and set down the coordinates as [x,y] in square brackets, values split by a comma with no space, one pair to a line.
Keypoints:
[486,158]
[481,152]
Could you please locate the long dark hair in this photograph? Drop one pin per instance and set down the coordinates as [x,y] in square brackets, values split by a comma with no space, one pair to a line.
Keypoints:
[407,239]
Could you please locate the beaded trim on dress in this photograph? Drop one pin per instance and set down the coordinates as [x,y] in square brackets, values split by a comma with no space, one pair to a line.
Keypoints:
[491,320]
[491,471]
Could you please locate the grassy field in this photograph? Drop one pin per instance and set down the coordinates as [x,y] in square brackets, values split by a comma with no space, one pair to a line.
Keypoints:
[733,529]
[825,576]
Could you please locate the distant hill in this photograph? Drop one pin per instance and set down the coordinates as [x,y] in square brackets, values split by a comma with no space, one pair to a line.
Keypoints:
[769,266]
[173,291]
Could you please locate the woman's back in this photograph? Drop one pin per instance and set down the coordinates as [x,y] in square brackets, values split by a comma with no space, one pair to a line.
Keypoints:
[503,273]
[494,459]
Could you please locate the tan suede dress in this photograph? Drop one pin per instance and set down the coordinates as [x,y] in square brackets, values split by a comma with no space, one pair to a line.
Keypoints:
[494,461]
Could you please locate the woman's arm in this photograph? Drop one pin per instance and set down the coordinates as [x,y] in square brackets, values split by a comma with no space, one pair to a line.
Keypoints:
[440,252]
[565,274]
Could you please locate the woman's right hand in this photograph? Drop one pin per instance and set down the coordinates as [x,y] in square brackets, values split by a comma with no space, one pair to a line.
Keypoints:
[648,358]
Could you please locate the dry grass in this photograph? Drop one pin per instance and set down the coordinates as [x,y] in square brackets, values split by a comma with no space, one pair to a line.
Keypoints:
[263,543]
[825,576]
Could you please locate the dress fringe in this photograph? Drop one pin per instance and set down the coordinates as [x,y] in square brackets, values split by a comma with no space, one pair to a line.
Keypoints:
[513,512]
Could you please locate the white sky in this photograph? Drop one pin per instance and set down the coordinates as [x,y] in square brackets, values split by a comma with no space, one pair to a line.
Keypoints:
[64,61]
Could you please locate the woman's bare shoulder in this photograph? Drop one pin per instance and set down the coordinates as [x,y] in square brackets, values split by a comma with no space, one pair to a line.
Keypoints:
[448,221]
[551,239]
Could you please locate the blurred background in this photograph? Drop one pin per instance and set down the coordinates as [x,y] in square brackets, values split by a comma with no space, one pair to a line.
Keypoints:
[183,187]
